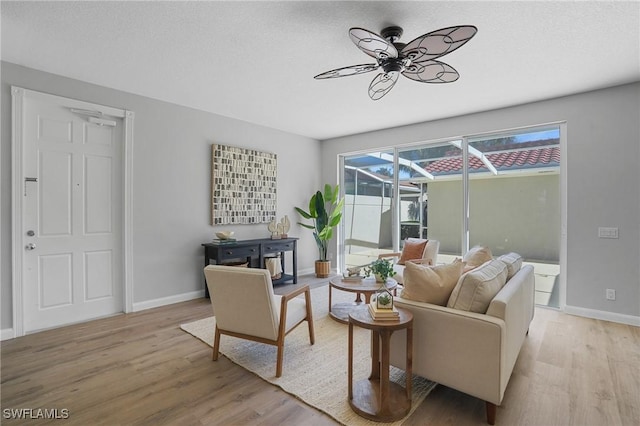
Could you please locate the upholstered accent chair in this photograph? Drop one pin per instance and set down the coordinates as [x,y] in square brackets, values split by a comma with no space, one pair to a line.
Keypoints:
[427,255]
[246,307]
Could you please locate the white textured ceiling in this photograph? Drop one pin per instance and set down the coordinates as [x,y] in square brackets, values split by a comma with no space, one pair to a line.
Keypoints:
[255,61]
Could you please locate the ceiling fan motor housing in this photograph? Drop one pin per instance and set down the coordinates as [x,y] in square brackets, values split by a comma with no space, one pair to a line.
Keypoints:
[393,64]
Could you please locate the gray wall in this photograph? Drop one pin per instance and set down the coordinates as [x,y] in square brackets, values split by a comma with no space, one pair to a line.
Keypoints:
[171,183]
[603,182]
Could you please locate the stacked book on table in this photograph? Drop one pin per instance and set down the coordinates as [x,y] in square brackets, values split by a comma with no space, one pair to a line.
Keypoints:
[383,314]
[224,241]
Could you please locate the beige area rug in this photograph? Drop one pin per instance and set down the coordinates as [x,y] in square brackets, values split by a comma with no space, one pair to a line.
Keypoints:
[316,374]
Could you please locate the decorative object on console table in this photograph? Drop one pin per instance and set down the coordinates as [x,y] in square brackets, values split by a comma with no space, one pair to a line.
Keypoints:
[243,185]
[225,235]
[274,266]
[279,229]
[325,210]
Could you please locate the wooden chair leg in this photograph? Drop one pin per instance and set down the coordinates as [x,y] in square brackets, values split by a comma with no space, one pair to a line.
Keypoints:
[491,413]
[312,336]
[216,344]
[280,357]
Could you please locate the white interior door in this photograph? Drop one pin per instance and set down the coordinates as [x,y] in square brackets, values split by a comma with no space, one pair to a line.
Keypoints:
[72,212]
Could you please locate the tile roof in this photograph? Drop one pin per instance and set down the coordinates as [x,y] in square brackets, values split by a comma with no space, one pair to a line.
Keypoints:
[502,161]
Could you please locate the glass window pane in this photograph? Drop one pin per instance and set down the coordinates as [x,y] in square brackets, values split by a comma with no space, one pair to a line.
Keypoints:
[430,179]
[368,227]
[514,201]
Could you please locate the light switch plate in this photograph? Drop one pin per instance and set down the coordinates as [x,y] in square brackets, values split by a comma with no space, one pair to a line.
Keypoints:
[606,232]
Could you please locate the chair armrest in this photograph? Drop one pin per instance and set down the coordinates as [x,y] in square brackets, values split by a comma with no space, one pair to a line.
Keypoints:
[285,298]
[421,261]
[294,293]
[383,255]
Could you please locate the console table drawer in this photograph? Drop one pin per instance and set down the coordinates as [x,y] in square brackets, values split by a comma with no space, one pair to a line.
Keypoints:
[277,247]
[237,252]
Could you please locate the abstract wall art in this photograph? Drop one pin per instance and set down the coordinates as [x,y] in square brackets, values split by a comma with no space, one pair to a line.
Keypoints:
[243,185]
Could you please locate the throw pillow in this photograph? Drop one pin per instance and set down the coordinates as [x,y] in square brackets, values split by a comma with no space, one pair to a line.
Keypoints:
[513,262]
[430,284]
[413,249]
[477,256]
[476,289]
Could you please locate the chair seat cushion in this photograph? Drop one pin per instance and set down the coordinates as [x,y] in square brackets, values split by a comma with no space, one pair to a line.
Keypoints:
[296,310]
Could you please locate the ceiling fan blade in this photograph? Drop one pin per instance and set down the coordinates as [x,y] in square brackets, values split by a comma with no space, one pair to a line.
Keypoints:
[347,71]
[431,72]
[372,44]
[438,43]
[382,84]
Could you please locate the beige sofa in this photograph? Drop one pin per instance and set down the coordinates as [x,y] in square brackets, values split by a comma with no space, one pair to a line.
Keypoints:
[471,352]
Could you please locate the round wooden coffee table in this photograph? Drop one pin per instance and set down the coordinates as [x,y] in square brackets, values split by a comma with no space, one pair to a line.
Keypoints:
[366,287]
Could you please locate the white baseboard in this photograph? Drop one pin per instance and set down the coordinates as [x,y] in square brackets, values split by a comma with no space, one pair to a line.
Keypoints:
[603,315]
[7,333]
[307,271]
[163,301]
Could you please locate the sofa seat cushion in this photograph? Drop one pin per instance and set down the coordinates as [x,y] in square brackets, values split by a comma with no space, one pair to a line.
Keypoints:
[430,284]
[413,249]
[477,256]
[475,290]
[513,262]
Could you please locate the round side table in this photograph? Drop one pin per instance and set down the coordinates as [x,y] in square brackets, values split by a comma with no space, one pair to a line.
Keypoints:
[376,398]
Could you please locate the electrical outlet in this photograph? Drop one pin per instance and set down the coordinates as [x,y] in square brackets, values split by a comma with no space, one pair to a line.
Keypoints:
[611,294]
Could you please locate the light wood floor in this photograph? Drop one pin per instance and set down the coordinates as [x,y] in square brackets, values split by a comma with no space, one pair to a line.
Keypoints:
[140,368]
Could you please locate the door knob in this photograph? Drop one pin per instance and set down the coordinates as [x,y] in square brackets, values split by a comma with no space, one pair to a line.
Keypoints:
[30,246]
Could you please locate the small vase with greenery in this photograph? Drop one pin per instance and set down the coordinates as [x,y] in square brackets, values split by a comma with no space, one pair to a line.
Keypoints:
[325,210]
[381,269]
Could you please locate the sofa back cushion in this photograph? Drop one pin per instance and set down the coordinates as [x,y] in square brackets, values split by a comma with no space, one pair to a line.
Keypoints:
[513,262]
[413,249]
[430,284]
[475,290]
[477,256]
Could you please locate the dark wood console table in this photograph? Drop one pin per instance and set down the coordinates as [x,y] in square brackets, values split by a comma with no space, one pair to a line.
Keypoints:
[223,252]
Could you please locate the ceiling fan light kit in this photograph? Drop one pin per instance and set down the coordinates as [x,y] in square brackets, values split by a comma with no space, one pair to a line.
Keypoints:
[415,60]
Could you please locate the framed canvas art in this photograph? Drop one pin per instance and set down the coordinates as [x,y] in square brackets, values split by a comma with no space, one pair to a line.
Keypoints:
[243,185]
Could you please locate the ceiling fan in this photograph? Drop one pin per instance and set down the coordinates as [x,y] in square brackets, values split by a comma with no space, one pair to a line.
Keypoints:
[414,60]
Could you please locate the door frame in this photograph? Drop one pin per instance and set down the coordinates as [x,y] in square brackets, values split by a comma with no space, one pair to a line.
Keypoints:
[18,95]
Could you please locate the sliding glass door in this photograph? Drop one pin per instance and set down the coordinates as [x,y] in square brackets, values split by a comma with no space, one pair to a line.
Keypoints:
[501,191]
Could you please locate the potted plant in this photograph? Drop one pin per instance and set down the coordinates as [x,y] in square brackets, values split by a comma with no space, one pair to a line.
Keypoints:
[325,210]
[381,269]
